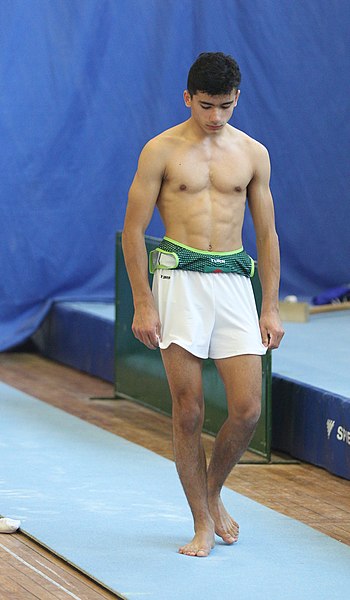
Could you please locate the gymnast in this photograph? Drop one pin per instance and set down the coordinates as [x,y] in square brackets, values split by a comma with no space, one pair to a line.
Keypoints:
[200,174]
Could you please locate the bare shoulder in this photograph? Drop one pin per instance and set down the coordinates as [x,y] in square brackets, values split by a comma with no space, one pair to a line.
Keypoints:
[256,149]
[163,141]
[259,158]
[156,153]
[260,155]
[152,158]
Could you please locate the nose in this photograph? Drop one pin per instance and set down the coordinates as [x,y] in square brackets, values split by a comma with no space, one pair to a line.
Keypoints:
[215,116]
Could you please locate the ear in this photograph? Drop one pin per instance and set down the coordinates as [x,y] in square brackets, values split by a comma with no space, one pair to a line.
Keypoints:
[236,98]
[187,99]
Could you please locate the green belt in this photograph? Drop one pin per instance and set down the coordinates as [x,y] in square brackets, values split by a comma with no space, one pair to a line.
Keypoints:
[173,255]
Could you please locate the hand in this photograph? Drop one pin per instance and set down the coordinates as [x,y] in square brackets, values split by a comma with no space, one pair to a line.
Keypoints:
[146,326]
[271,329]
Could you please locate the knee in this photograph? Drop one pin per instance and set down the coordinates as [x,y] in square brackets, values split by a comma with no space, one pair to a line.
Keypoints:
[188,414]
[248,411]
[254,413]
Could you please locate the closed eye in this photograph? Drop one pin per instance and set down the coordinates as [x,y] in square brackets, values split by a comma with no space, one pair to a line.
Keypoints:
[223,106]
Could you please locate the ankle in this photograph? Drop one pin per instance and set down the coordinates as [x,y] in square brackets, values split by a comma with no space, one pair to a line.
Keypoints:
[213,494]
[203,522]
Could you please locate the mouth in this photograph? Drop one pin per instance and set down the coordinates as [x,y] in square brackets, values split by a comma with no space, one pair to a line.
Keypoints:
[215,127]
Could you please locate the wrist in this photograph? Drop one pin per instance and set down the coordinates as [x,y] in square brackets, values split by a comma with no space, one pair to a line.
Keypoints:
[143,301]
[269,308]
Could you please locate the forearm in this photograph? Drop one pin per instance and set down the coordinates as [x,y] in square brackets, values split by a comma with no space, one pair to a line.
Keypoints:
[136,261]
[269,270]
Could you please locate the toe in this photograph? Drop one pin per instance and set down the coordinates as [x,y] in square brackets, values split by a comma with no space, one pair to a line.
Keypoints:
[201,552]
[187,551]
[228,538]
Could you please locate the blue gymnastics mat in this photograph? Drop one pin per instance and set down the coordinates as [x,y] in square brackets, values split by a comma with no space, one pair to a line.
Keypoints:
[315,353]
[311,392]
[81,335]
[117,512]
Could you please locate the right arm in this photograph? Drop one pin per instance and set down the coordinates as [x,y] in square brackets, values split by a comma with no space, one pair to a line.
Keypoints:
[142,199]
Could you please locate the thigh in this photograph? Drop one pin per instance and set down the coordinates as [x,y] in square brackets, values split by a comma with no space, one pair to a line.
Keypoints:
[184,374]
[242,378]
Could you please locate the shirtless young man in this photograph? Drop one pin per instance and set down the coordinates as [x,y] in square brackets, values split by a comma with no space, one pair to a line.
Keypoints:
[199,174]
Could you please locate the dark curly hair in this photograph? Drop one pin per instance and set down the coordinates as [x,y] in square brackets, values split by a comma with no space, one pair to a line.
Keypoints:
[213,73]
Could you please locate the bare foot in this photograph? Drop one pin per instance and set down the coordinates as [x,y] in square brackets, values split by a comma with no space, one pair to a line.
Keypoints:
[202,543]
[225,526]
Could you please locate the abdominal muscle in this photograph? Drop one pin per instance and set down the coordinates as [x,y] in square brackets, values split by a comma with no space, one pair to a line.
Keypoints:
[205,221]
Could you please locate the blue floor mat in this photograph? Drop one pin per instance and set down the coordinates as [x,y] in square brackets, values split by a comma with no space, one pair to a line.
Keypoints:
[117,512]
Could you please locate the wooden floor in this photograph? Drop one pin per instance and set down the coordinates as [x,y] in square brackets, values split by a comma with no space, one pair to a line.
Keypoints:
[27,571]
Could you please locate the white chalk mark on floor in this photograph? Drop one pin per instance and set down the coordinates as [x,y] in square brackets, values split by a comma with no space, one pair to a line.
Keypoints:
[40,573]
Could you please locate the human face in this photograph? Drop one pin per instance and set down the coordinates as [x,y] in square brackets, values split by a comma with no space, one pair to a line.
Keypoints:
[211,113]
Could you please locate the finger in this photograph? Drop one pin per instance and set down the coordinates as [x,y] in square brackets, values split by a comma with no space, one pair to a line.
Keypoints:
[265,338]
[143,337]
[272,344]
[275,340]
[154,337]
[151,340]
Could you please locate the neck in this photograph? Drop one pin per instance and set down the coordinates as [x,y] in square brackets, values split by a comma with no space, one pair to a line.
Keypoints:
[199,133]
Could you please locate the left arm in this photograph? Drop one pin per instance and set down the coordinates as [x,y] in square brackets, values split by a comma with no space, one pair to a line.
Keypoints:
[261,207]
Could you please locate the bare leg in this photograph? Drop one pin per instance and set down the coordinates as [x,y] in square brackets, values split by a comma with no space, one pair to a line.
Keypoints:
[184,373]
[242,379]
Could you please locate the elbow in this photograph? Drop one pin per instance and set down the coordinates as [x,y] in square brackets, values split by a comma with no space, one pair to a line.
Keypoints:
[268,237]
[131,236]
[125,237]
[128,230]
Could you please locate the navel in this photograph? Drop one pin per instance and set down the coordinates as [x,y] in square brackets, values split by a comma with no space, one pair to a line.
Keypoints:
[210,247]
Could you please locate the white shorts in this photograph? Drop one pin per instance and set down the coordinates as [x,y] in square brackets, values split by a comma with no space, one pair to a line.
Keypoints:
[209,314]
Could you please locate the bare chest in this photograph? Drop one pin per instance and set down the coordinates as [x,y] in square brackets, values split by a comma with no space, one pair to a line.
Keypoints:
[221,170]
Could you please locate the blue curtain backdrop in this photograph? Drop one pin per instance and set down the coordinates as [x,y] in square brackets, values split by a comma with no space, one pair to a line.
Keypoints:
[85,83]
